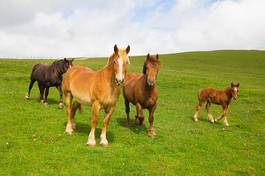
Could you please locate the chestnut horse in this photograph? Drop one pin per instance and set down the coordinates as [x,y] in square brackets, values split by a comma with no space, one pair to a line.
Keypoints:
[49,76]
[140,90]
[219,97]
[100,89]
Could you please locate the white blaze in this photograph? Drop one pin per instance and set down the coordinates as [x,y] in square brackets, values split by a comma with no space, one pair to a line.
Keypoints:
[120,75]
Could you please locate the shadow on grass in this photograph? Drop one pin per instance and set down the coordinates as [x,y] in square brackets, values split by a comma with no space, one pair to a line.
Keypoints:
[84,128]
[133,126]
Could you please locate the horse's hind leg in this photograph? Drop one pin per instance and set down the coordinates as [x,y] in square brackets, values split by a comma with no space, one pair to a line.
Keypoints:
[59,88]
[68,102]
[197,111]
[32,81]
[140,115]
[103,138]
[127,110]
[74,108]
[151,132]
[207,107]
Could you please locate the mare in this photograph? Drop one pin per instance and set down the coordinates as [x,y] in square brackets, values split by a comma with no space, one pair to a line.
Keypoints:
[49,76]
[99,89]
[140,90]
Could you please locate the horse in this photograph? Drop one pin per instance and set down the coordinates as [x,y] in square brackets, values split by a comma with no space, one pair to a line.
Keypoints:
[49,76]
[141,91]
[219,97]
[99,89]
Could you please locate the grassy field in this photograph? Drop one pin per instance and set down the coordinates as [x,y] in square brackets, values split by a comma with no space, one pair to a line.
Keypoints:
[32,139]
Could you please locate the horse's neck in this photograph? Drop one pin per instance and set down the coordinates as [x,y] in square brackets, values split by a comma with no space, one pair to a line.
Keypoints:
[56,70]
[107,74]
[228,93]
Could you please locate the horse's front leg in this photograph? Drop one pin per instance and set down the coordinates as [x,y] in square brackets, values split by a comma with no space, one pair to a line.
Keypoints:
[223,115]
[151,131]
[59,88]
[95,112]
[46,96]
[103,138]
[140,115]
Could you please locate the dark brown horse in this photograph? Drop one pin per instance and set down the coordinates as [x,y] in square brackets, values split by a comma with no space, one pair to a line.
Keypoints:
[49,76]
[219,97]
[140,90]
[100,89]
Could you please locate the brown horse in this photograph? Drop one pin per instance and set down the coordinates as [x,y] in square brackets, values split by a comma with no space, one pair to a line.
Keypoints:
[219,97]
[100,89]
[140,90]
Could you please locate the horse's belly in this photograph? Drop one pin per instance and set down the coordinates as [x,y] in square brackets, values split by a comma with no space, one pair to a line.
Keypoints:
[83,98]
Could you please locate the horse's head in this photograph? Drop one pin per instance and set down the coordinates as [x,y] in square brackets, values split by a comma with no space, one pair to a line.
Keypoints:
[120,59]
[67,63]
[234,90]
[151,68]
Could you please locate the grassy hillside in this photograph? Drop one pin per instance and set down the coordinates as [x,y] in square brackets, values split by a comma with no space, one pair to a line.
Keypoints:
[32,139]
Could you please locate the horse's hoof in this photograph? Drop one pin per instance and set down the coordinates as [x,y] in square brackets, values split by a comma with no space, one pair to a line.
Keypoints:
[137,121]
[104,142]
[215,120]
[74,126]
[69,130]
[151,133]
[45,103]
[212,121]
[27,96]
[91,142]
[60,106]
[195,119]
[226,124]
[42,101]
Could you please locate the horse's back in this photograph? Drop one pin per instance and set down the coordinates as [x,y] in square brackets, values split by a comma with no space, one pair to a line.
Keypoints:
[39,71]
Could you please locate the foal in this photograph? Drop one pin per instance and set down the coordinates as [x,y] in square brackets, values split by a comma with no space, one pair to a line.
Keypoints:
[100,89]
[219,97]
[140,90]
[49,76]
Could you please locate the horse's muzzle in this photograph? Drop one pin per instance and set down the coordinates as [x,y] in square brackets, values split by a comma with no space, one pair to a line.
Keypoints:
[119,82]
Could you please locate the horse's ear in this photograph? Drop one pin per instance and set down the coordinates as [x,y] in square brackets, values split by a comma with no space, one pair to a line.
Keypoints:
[147,57]
[157,57]
[65,59]
[116,50]
[128,49]
[237,84]
[232,84]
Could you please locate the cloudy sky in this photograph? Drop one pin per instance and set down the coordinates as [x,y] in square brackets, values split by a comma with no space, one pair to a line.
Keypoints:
[68,28]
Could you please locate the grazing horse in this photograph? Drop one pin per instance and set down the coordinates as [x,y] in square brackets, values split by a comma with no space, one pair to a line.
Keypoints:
[49,76]
[140,90]
[219,97]
[100,89]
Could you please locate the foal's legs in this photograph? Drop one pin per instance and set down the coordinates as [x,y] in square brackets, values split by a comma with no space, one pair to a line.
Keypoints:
[46,96]
[59,88]
[151,132]
[223,115]
[140,115]
[207,107]
[32,81]
[197,111]
[68,102]
[95,111]
[103,139]
[127,110]
[41,88]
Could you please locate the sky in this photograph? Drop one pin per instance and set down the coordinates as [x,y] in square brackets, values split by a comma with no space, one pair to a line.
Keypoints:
[79,28]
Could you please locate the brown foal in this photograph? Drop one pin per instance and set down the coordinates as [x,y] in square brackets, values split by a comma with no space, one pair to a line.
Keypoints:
[219,97]
[100,89]
[140,90]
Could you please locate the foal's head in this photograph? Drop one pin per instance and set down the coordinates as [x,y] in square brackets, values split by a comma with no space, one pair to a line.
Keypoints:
[120,59]
[151,68]
[234,90]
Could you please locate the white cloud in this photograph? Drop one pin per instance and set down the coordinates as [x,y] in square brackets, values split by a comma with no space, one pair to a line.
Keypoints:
[81,28]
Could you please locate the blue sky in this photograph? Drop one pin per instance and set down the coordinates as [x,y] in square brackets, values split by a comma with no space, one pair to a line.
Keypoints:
[67,28]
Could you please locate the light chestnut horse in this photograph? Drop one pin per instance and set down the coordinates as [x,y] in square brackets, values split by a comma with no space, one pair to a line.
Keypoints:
[141,90]
[219,97]
[99,89]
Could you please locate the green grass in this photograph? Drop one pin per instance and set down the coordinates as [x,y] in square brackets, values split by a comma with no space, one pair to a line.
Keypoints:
[32,139]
